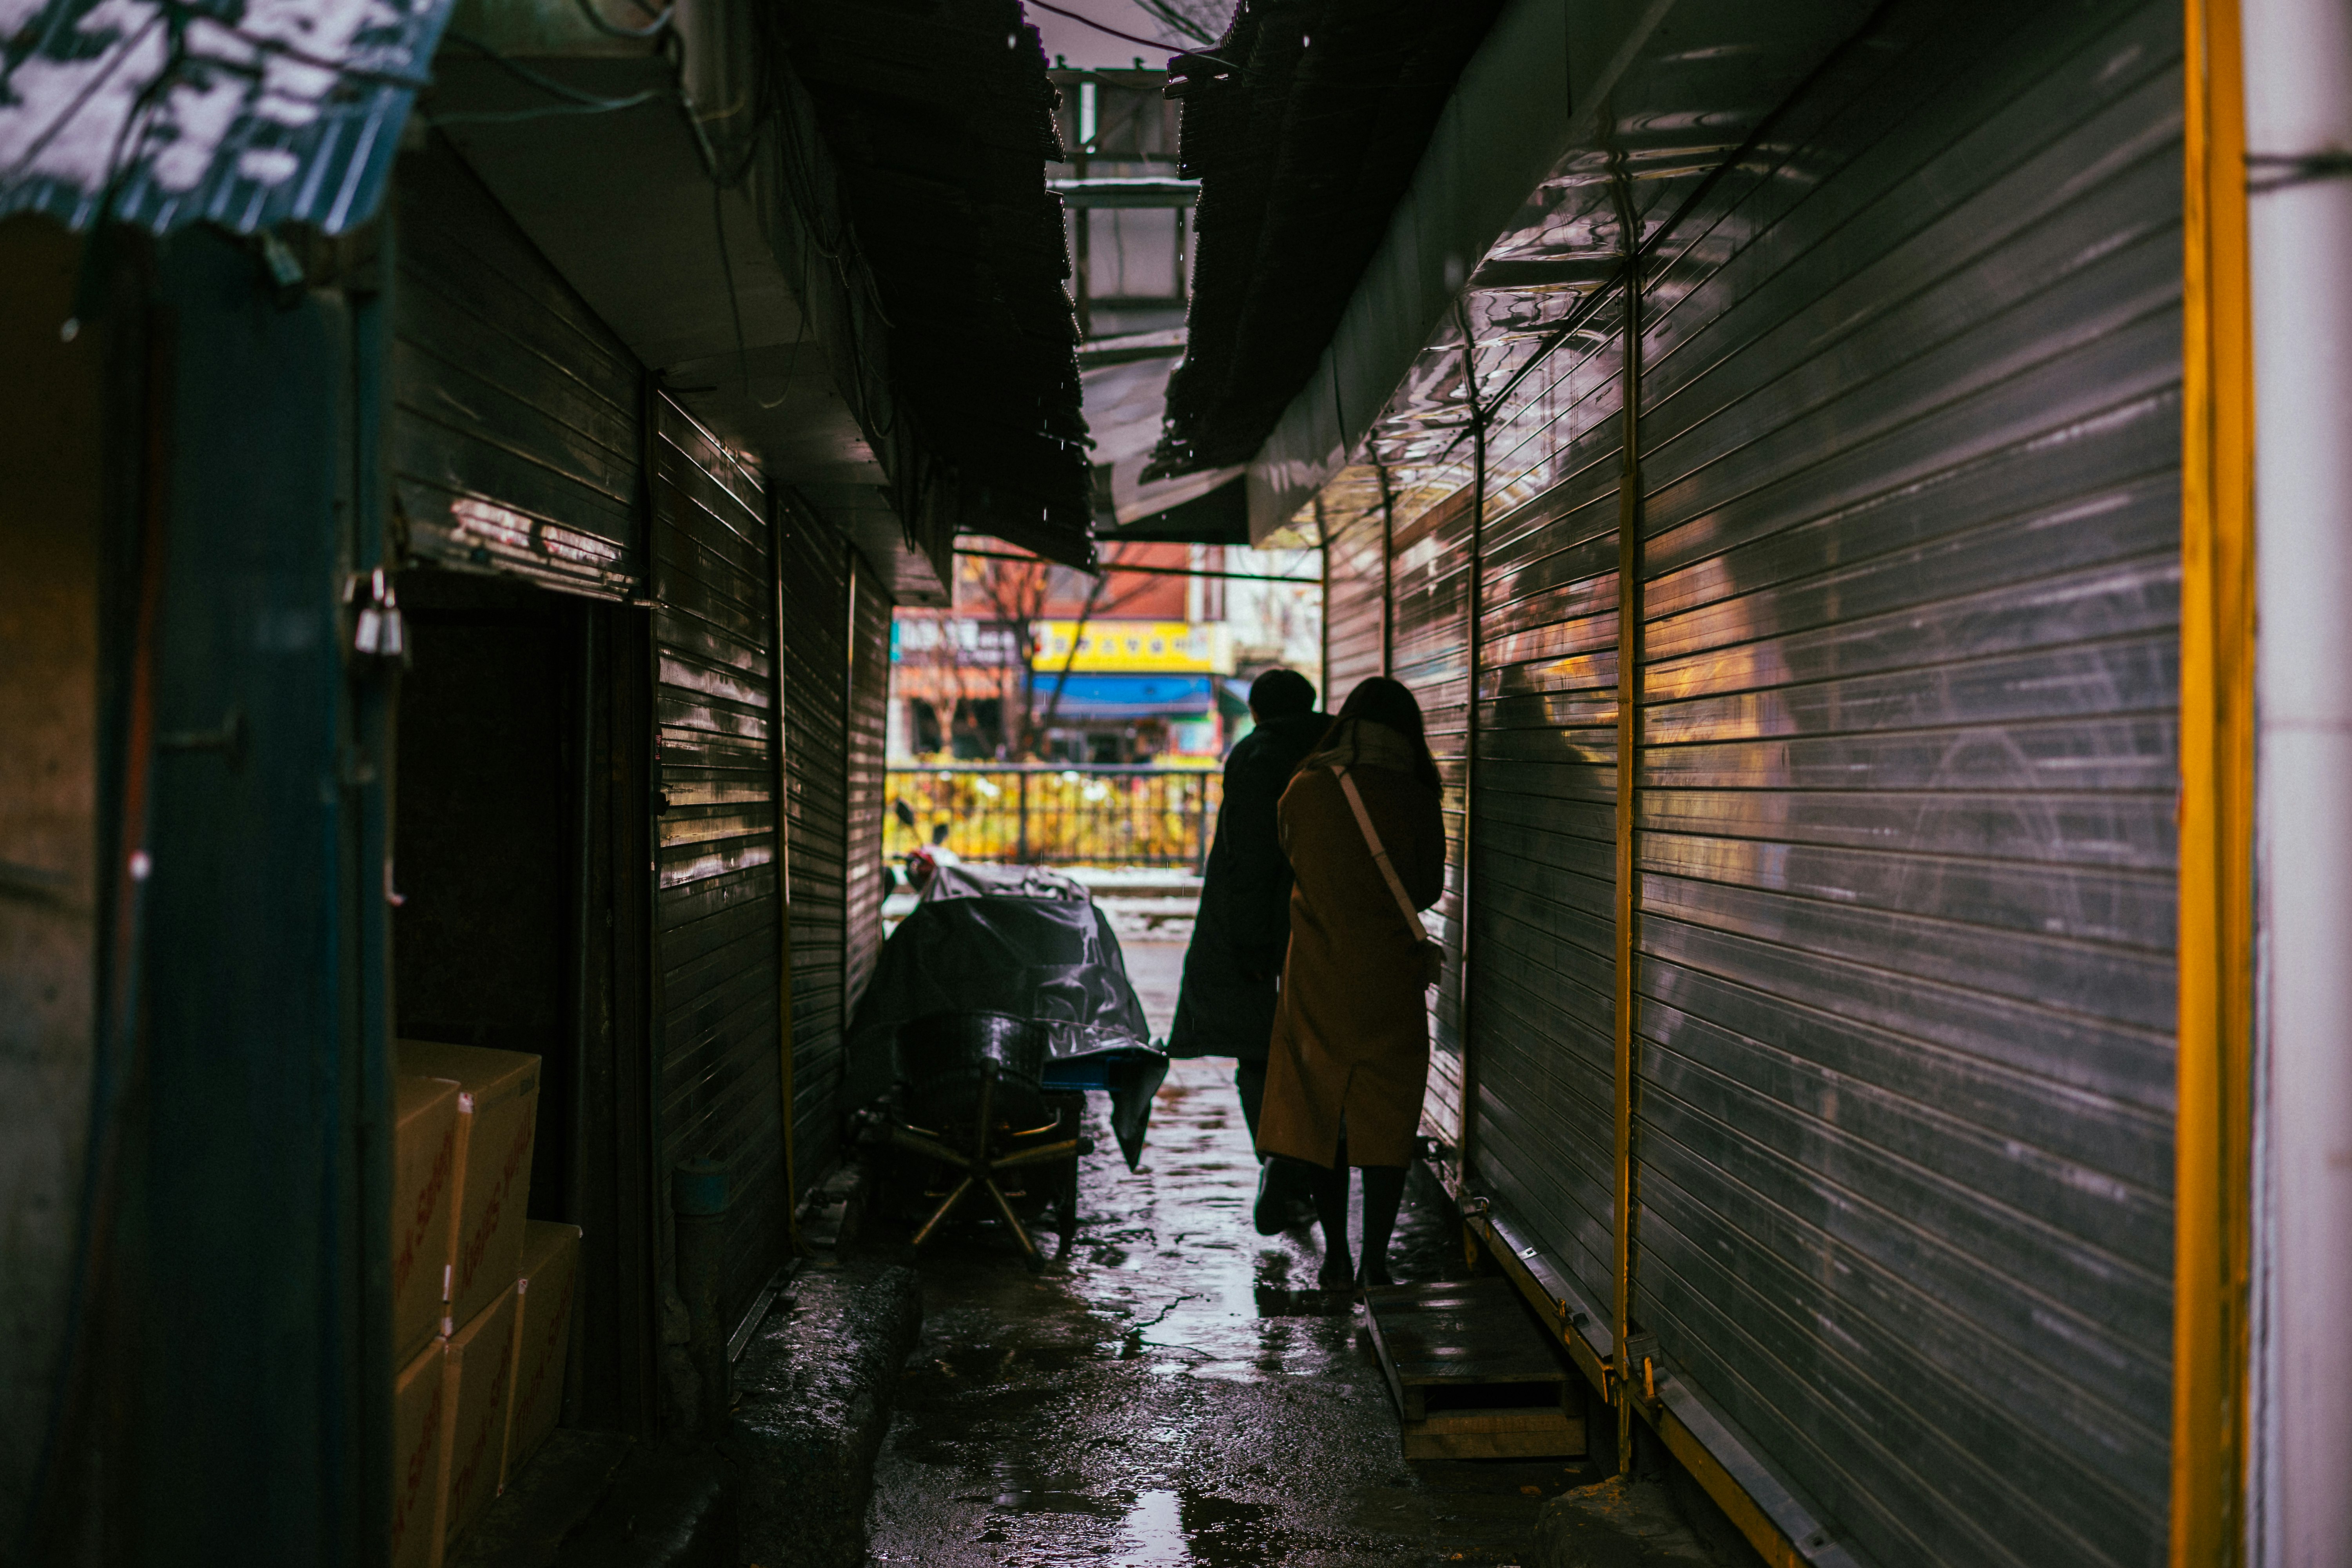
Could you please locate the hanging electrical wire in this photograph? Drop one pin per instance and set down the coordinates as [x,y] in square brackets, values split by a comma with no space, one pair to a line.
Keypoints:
[548,84]
[654,29]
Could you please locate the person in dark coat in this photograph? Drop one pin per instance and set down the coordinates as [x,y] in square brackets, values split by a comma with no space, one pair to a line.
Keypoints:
[1348,1063]
[1242,935]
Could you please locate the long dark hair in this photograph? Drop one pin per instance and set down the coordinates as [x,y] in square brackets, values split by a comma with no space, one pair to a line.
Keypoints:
[1388,702]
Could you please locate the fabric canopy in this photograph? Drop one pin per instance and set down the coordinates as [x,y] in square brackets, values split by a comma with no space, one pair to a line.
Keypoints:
[1126,696]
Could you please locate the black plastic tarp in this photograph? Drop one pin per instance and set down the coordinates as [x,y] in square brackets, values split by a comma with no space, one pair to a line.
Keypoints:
[1025,941]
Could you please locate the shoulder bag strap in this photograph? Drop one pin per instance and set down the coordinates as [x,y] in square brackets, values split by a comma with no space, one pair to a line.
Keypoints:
[1381,855]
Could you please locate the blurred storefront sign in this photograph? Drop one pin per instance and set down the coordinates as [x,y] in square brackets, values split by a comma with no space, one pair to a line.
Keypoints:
[1135,646]
[947,640]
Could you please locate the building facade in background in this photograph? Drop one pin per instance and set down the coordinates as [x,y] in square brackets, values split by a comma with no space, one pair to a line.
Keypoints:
[1037,663]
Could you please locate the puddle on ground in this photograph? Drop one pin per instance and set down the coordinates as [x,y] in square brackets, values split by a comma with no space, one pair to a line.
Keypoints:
[1169,1529]
[1169,1394]
[1155,1526]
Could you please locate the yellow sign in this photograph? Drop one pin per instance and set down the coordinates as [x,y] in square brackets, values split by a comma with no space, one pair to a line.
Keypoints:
[1135,646]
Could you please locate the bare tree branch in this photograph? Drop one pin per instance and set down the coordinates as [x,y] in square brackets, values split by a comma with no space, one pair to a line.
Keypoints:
[1202,21]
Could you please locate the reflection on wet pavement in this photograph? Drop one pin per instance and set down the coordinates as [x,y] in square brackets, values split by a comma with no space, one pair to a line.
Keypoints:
[1156,969]
[1171,1394]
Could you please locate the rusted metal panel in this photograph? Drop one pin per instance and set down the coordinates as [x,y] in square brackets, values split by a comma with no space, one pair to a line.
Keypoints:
[1430,604]
[261,958]
[1898,1061]
[816,582]
[1355,601]
[867,741]
[515,444]
[718,897]
[54,524]
[1547,758]
[1904,1053]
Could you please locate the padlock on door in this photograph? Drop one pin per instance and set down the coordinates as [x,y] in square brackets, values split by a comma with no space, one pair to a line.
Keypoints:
[379,632]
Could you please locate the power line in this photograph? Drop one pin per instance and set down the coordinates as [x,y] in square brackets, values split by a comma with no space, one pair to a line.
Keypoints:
[1134,39]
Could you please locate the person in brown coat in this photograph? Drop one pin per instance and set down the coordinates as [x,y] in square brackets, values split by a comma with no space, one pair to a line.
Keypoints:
[1348,1059]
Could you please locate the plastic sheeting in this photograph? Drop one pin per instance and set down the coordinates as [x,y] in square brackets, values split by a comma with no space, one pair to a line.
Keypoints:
[1025,941]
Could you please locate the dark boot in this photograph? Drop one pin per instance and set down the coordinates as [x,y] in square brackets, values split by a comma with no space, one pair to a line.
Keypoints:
[1282,1202]
[1383,1195]
[1329,1187]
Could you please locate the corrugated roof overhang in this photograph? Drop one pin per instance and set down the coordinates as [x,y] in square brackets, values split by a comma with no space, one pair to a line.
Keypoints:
[941,119]
[1506,218]
[1304,126]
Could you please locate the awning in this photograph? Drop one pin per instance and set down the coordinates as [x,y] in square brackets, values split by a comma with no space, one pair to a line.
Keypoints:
[1302,154]
[942,120]
[1128,696]
[1125,381]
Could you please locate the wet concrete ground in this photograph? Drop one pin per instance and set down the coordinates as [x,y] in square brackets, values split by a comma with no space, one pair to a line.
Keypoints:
[1168,1393]
[1155,969]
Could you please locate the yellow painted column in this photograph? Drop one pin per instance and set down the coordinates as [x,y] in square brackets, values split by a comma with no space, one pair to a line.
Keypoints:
[2212,1221]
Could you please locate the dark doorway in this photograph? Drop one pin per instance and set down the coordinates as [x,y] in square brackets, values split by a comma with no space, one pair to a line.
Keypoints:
[518,855]
[484,855]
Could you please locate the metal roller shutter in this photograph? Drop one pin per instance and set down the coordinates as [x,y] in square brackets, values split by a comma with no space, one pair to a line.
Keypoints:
[870,722]
[1909,450]
[1355,602]
[517,430]
[1543,970]
[815,564]
[1429,563]
[717,939]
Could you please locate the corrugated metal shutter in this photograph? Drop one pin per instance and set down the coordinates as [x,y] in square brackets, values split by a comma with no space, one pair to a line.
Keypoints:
[869,723]
[1905,1072]
[517,429]
[718,955]
[1543,972]
[814,560]
[1429,557]
[1355,605]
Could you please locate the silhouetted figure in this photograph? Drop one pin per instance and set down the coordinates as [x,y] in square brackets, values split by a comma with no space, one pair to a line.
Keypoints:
[1349,1061]
[1242,934]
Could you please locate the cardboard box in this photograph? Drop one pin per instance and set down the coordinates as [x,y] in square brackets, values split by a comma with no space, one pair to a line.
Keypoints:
[478,1372]
[551,1266]
[498,1112]
[423,1182]
[418,1416]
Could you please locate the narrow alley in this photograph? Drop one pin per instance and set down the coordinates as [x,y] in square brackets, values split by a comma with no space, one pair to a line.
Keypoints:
[1175,1391]
[1168,1394]
[757,756]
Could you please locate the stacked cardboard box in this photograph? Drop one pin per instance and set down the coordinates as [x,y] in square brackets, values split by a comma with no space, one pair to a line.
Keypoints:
[424,1186]
[551,1264]
[482,1296]
[424,1192]
[478,1374]
[470,1113]
[416,1411]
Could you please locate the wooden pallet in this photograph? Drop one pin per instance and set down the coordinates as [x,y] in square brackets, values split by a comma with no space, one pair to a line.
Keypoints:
[1472,1375]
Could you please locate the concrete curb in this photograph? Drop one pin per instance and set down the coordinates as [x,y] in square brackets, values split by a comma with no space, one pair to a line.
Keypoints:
[814,1390]
[670,1505]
